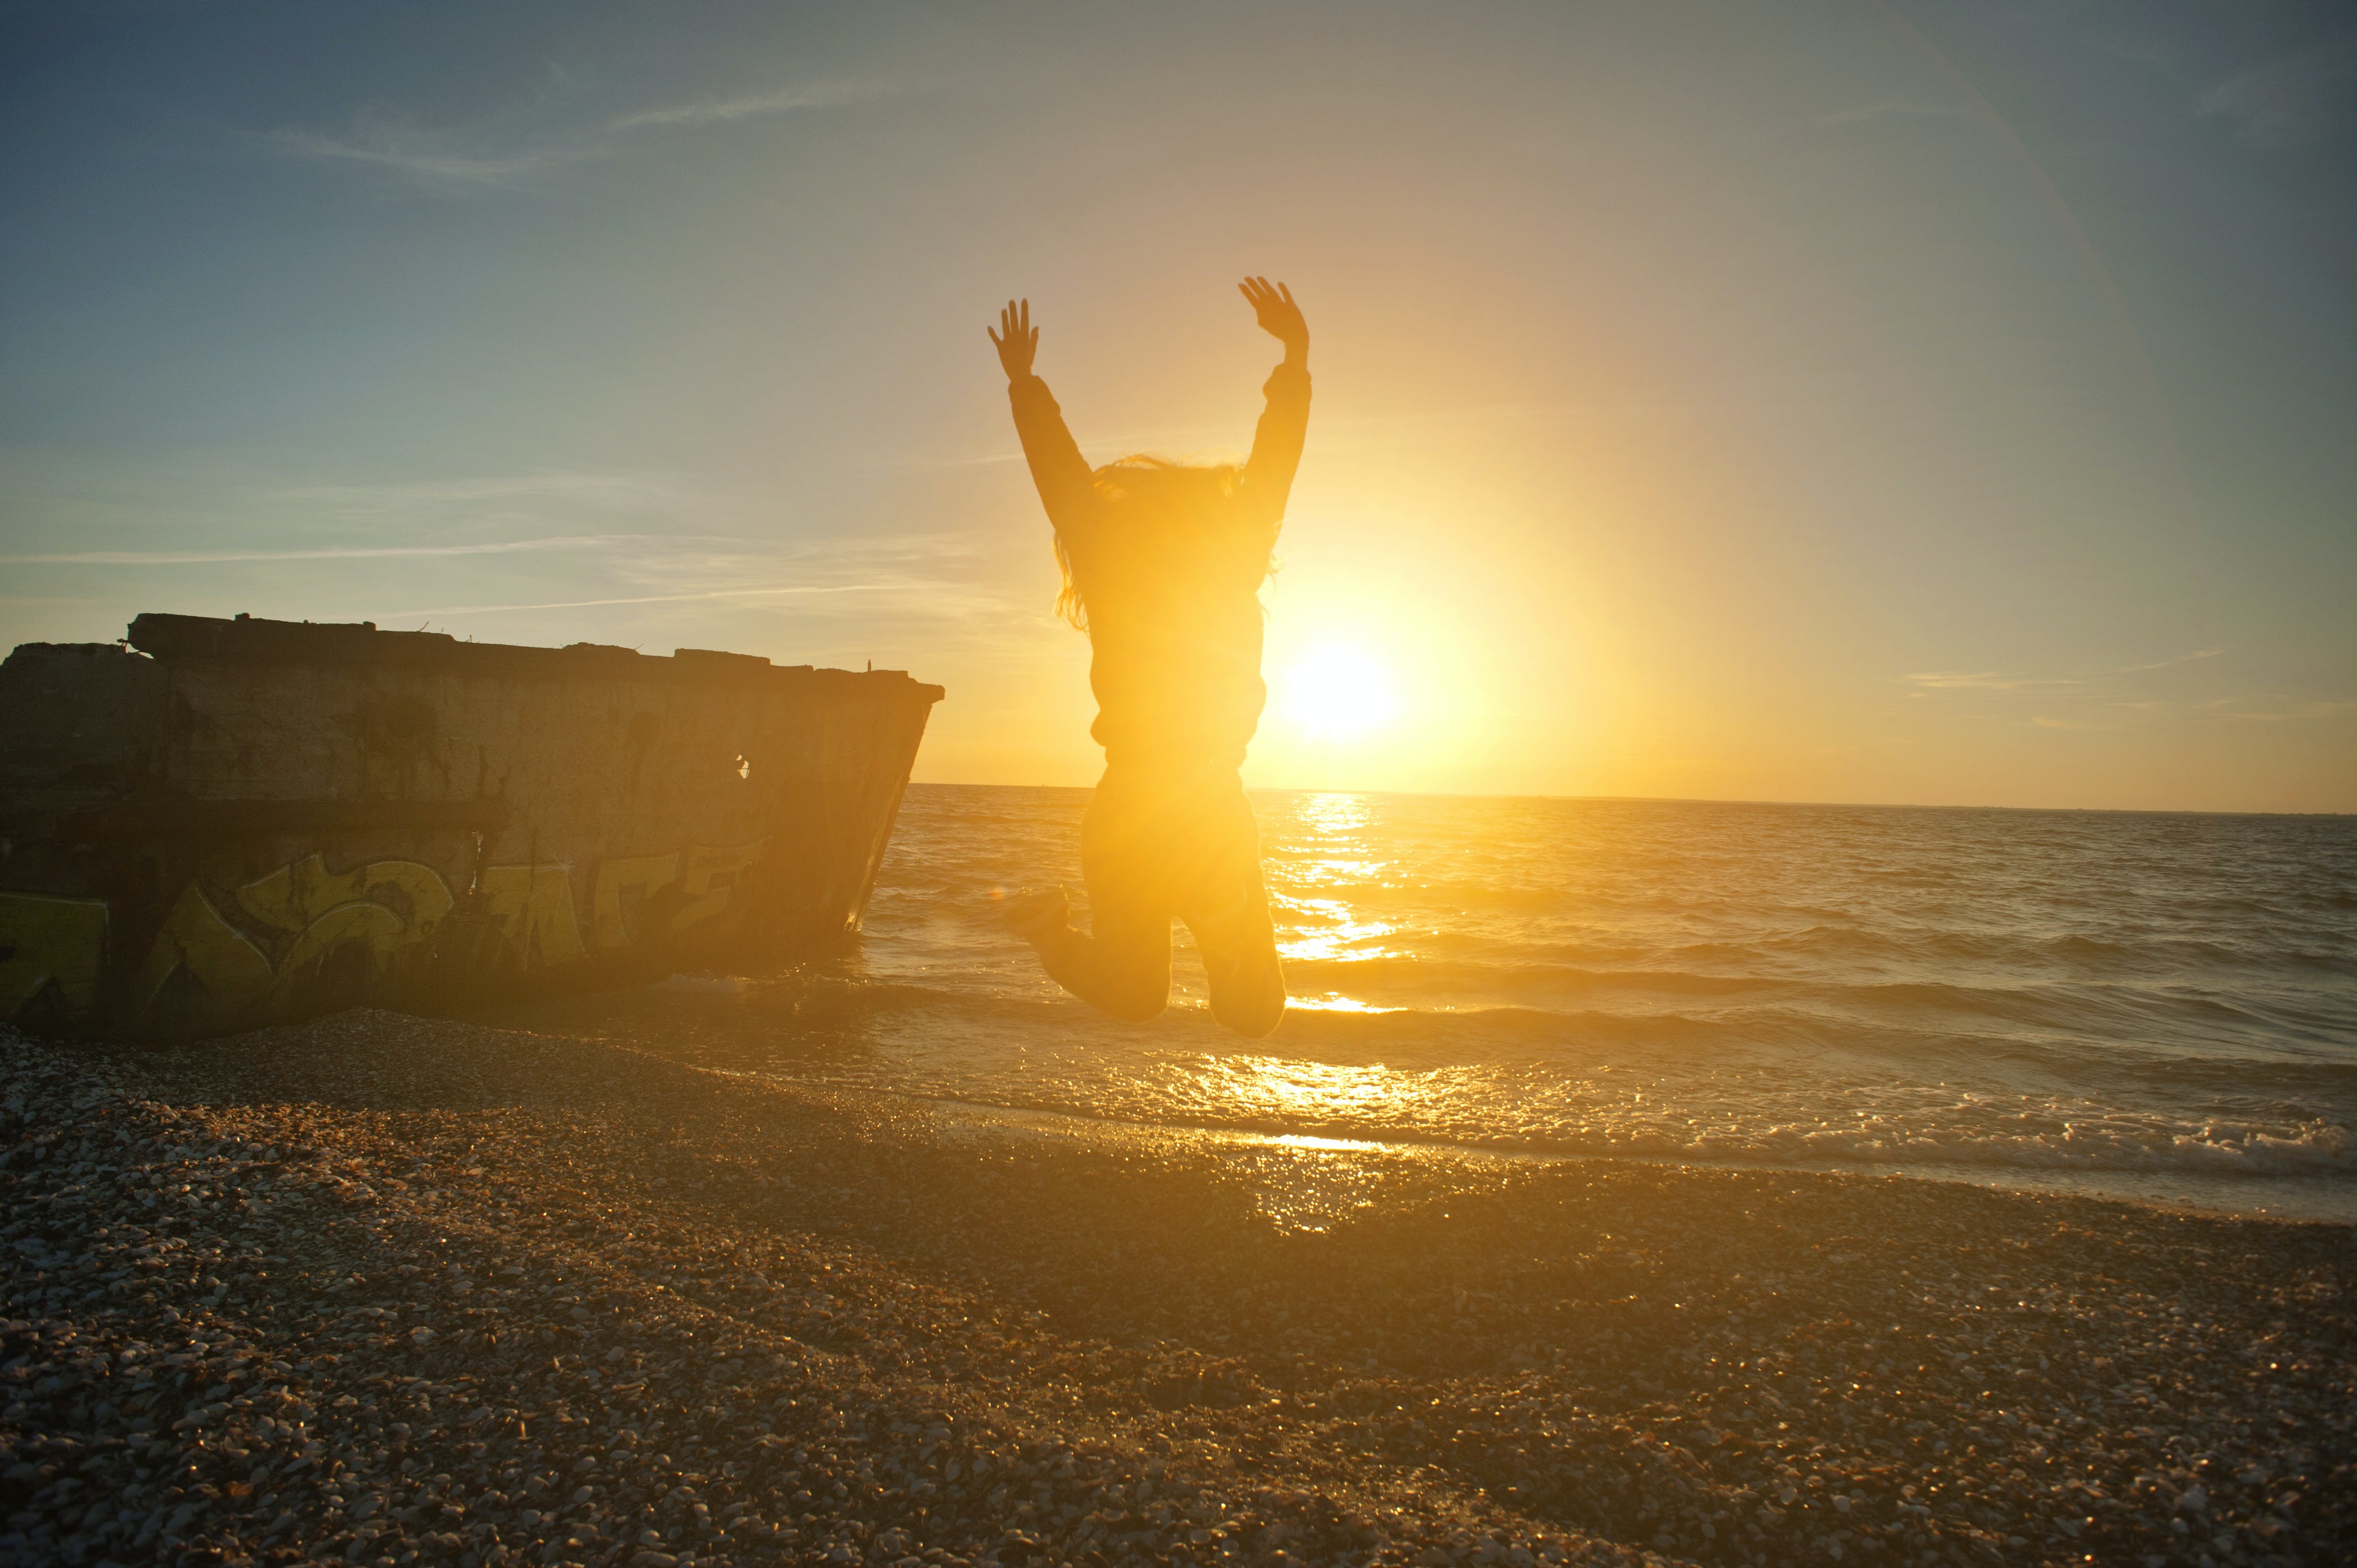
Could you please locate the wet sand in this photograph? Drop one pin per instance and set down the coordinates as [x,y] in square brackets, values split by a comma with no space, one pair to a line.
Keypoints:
[384,1289]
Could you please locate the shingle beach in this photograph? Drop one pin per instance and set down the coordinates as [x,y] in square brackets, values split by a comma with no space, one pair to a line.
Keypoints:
[381,1289]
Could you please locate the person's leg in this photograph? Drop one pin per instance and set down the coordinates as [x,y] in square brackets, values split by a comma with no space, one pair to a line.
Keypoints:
[1122,964]
[1226,906]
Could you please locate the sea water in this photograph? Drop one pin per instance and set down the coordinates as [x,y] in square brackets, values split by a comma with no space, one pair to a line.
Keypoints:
[2155,1006]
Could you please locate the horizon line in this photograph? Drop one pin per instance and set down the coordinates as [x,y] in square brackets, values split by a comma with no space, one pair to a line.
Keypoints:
[1698,801]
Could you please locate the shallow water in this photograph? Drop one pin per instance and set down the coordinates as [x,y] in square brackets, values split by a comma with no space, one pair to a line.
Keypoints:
[2155,1006]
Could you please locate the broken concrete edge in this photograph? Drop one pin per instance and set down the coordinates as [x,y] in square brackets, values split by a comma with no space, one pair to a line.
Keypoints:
[248,640]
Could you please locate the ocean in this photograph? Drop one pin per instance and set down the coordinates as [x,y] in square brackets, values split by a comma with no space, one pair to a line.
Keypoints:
[2161,1008]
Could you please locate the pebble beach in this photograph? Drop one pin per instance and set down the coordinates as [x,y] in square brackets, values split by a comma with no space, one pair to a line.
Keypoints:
[391,1290]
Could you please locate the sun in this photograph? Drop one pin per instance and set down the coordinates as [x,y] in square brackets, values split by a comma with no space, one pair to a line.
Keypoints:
[1339,691]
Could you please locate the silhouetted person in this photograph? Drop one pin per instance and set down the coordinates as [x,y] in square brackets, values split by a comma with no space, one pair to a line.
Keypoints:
[1163,564]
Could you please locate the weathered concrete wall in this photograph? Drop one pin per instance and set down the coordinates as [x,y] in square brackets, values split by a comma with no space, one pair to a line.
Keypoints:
[249,820]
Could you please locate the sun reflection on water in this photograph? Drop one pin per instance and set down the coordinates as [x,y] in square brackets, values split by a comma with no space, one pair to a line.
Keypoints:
[1335,813]
[1344,935]
[1334,1003]
[1329,929]
[1317,871]
[1289,1090]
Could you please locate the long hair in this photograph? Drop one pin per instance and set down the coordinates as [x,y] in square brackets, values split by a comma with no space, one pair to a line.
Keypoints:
[1141,492]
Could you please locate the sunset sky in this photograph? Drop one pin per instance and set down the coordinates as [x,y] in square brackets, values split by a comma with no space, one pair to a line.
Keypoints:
[1926,403]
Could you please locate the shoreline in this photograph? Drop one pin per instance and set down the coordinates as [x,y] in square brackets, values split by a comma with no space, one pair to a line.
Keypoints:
[672,1022]
[393,1289]
[2096,1185]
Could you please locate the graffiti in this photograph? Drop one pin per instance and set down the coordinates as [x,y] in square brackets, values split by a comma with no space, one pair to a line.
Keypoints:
[49,945]
[304,933]
[217,962]
[626,883]
[531,906]
[354,922]
[296,895]
[388,904]
[636,895]
[709,881]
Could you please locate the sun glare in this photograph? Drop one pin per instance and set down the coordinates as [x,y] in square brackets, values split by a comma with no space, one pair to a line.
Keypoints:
[1339,691]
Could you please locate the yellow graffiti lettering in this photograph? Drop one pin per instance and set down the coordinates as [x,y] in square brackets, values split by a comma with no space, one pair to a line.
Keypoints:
[532,905]
[382,930]
[294,897]
[232,970]
[45,940]
[710,878]
[647,872]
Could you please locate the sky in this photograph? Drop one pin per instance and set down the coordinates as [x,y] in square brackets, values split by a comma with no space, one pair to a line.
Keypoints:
[1946,403]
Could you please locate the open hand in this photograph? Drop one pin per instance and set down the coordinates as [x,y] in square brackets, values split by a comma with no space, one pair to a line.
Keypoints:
[1279,316]
[1017,339]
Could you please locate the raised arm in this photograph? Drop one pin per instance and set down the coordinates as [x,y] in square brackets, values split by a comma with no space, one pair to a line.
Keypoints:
[1284,423]
[1057,465]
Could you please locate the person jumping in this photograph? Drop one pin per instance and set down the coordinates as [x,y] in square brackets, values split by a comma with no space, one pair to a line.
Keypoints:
[1162,565]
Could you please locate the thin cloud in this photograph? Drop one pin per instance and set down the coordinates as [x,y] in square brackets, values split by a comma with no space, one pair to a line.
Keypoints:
[2003,681]
[423,158]
[351,553]
[751,106]
[1981,680]
[508,150]
[2119,696]
[2194,657]
[2289,101]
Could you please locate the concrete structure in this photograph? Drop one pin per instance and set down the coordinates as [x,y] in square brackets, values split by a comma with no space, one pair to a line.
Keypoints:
[229,822]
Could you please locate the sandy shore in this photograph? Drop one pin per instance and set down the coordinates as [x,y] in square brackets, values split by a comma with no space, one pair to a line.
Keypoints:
[381,1289]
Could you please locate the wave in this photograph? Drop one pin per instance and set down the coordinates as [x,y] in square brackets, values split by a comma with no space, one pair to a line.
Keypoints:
[1914,1028]
[1867,988]
[2319,1148]
[1658,1088]
[1843,950]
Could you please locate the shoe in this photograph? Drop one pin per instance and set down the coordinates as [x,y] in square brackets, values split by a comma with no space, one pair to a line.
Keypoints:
[1036,913]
